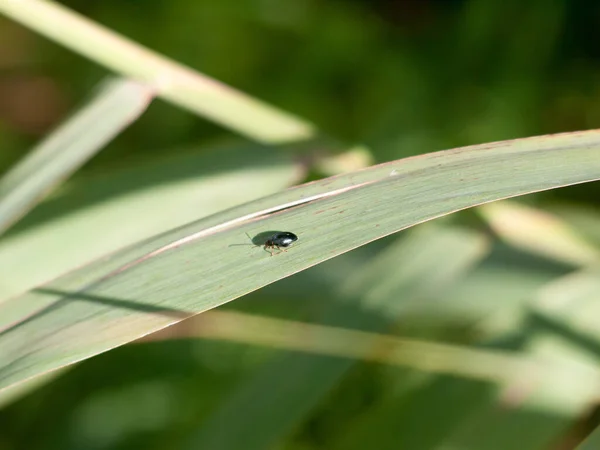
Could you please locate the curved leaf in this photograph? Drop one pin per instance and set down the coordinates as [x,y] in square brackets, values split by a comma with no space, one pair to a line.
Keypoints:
[207,263]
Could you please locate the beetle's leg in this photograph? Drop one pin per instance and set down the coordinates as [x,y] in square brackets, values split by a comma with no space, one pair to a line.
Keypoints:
[280,250]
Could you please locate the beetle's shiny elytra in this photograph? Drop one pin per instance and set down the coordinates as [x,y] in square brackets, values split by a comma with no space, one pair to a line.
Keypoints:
[280,240]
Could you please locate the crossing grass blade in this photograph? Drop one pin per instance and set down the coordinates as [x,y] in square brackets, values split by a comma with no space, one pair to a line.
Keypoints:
[172,81]
[116,105]
[539,232]
[163,280]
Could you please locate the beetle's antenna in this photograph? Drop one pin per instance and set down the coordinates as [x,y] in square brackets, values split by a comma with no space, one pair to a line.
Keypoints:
[251,241]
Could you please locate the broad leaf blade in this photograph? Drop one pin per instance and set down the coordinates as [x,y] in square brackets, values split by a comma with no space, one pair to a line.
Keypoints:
[202,265]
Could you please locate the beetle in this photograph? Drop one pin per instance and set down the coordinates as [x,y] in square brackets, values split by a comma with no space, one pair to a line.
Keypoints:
[280,240]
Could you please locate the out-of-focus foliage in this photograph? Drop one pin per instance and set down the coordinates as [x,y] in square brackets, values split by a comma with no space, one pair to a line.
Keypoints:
[409,77]
[404,77]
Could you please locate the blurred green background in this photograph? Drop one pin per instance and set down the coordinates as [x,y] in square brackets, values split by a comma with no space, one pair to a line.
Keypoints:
[404,77]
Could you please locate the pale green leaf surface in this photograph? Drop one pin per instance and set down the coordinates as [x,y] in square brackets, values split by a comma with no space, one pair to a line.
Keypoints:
[117,104]
[103,213]
[201,265]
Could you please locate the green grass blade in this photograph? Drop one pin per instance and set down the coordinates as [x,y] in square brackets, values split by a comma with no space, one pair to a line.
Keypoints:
[485,364]
[160,281]
[172,81]
[117,104]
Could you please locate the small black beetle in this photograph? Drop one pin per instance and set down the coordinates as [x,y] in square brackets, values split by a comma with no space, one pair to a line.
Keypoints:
[280,240]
